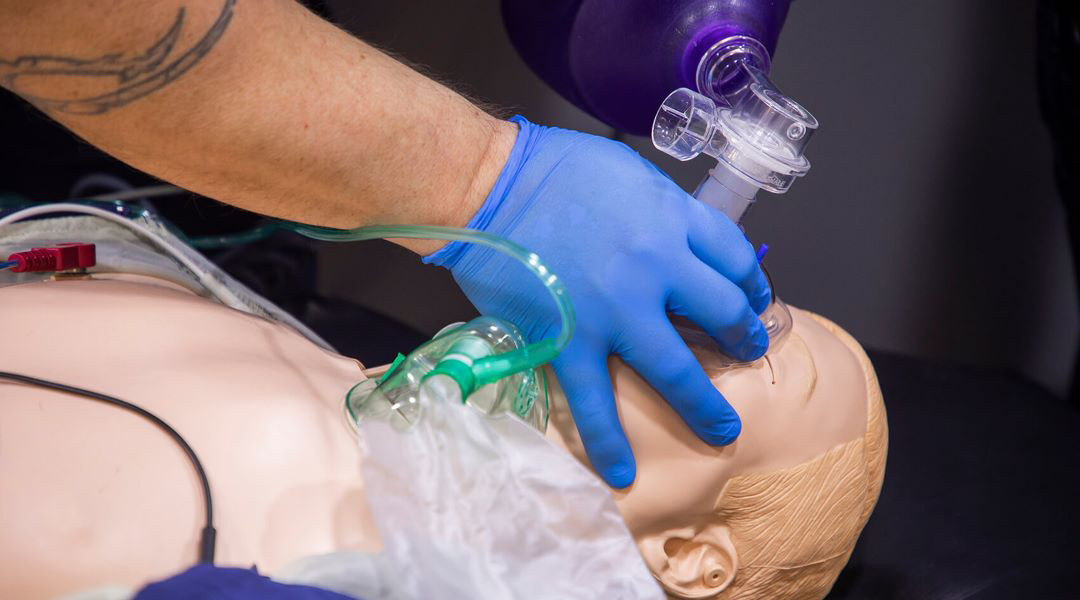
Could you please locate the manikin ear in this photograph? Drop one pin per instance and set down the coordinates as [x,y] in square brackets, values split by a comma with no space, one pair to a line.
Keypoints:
[693,562]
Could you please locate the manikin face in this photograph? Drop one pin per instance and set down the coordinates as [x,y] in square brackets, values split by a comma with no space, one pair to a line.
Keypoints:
[776,513]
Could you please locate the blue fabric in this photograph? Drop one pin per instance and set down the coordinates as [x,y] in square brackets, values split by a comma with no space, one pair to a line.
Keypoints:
[629,245]
[224,583]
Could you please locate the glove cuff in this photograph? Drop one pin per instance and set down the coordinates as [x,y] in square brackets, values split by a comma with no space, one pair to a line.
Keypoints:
[450,254]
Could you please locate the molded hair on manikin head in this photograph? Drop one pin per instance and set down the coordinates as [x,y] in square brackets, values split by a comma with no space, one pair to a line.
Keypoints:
[773,516]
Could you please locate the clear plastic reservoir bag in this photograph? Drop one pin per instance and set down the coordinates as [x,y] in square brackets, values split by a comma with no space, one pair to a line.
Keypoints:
[471,506]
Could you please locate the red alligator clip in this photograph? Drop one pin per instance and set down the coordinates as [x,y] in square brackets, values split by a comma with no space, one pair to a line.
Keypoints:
[61,257]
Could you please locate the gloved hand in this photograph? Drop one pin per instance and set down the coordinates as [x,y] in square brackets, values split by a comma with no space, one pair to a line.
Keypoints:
[629,244]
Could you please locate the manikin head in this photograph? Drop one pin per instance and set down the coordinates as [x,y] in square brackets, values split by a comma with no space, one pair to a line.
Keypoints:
[777,513]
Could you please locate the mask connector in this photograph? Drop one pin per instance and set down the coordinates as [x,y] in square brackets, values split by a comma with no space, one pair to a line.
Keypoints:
[758,141]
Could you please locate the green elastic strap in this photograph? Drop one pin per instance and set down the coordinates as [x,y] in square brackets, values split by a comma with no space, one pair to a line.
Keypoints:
[393,366]
[459,372]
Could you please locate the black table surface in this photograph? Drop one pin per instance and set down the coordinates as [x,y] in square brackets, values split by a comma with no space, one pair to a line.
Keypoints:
[981,493]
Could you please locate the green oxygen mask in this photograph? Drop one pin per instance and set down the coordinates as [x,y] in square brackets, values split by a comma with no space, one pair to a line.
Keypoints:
[485,363]
[435,370]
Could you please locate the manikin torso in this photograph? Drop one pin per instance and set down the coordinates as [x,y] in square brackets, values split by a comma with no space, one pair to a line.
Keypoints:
[97,496]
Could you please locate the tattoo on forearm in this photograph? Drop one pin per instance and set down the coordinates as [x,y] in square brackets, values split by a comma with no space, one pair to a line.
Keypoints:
[135,75]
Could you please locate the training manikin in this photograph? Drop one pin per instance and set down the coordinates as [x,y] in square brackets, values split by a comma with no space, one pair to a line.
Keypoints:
[775,514]
[96,497]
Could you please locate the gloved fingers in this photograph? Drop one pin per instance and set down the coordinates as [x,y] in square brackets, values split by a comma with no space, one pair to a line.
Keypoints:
[584,377]
[720,243]
[662,358]
[721,309]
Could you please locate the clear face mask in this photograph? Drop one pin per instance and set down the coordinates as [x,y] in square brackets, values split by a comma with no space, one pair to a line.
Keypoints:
[777,321]
[420,378]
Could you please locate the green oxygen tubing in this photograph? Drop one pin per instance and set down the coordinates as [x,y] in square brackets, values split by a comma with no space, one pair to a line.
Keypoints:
[485,369]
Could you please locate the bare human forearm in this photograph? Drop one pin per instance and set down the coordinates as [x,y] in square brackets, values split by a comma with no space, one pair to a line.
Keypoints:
[257,103]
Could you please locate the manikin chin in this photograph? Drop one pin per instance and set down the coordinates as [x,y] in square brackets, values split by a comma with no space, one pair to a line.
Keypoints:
[96,497]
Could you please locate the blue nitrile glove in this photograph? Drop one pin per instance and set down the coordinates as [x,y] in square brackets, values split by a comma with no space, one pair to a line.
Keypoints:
[629,244]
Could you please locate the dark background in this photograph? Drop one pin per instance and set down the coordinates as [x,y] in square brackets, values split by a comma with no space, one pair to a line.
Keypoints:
[929,225]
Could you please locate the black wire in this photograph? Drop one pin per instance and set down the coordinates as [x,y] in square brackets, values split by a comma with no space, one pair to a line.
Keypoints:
[208,535]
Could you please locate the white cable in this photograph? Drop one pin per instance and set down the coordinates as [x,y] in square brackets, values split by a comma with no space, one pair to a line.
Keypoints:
[215,287]
[150,191]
